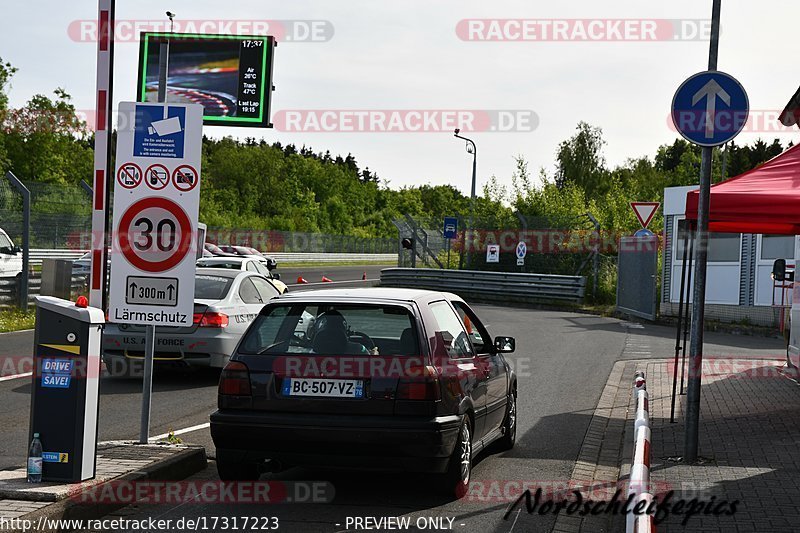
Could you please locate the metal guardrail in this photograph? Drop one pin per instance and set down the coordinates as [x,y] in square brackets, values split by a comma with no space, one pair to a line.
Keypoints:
[504,286]
[8,289]
[288,257]
[300,257]
[37,254]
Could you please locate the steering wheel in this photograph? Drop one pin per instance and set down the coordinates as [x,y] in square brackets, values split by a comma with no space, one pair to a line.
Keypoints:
[364,339]
[294,340]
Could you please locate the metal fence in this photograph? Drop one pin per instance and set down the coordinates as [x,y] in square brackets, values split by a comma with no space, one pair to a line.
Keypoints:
[570,245]
[9,287]
[637,268]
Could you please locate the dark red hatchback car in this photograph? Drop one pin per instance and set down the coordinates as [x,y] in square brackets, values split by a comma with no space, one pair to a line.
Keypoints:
[373,378]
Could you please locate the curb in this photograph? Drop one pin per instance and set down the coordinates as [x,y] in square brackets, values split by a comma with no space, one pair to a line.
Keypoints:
[181,465]
[605,432]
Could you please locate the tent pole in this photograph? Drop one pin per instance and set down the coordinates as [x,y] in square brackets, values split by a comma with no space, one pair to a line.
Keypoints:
[680,325]
[688,291]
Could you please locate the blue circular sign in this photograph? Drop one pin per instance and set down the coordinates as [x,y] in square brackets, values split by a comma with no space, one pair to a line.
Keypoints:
[644,232]
[710,108]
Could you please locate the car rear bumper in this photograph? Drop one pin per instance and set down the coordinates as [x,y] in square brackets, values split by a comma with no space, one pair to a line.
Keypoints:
[203,347]
[369,442]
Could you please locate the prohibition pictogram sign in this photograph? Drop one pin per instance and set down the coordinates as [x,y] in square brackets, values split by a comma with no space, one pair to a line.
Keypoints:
[156,177]
[185,178]
[129,175]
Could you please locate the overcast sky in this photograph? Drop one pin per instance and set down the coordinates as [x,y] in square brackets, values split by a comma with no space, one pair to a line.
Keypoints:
[409,56]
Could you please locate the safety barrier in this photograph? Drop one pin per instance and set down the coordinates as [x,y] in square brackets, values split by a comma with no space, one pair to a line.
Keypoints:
[639,480]
[8,289]
[503,286]
[37,254]
[298,257]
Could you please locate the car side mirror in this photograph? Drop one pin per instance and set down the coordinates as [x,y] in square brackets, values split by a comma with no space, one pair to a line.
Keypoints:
[505,344]
[277,276]
[16,249]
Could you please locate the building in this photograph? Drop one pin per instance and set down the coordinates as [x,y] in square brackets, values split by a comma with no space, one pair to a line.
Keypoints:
[739,284]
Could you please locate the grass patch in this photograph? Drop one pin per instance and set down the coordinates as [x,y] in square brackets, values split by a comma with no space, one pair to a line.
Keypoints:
[15,320]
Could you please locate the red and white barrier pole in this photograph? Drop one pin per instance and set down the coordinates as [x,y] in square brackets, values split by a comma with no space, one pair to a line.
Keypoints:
[639,479]
[98,291]
[642,418]
[644,523]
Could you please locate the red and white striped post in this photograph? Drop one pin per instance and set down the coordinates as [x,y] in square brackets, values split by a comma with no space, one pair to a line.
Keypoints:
[102,153]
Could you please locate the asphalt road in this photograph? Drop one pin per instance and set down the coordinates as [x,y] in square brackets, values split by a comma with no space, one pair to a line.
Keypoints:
[563,361]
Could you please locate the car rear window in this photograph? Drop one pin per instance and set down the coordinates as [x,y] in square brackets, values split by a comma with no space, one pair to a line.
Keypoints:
[332,329]
[211,287]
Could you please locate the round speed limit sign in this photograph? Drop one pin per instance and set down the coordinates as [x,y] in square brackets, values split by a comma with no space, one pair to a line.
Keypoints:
[155,234]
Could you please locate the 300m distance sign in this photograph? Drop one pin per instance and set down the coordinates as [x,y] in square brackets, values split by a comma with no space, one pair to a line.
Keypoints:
[155,217]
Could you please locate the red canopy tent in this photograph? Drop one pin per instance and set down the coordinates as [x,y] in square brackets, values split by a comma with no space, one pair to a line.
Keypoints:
[763,200]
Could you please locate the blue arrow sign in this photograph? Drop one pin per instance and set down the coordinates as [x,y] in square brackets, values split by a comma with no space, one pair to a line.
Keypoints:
[710,108]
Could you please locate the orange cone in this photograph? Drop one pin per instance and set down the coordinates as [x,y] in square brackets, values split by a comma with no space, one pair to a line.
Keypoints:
[326,279]
[301,280]
[364,276]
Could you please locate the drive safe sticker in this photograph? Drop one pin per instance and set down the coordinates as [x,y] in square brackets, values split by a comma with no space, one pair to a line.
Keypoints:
[56,373]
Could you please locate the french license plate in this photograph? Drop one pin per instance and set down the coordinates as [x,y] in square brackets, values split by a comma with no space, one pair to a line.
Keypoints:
[328,388]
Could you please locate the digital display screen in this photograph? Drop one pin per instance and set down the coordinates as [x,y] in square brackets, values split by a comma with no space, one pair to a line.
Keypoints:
[229,75]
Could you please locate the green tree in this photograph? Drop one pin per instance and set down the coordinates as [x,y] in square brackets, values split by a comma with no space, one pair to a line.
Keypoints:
[580,161]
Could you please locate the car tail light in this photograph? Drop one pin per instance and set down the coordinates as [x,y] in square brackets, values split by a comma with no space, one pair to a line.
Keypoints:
[210,320]
[423,387]
[234,380]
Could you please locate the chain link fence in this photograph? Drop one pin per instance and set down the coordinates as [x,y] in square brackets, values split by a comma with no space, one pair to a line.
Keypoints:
[60,214]
[61,219]
[574,245]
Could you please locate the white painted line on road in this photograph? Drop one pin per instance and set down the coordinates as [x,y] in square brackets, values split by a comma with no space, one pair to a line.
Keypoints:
[16,376]
[17,331]
[181,431]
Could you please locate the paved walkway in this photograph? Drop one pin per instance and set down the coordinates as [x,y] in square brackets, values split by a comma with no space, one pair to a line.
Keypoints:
[749,441]
[125,462]
[749,445]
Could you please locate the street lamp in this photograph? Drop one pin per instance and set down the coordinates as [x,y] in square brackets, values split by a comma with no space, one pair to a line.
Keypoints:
[471,149]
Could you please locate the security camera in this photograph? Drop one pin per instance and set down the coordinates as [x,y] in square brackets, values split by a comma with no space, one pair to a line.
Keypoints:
[170,14]
[458,131]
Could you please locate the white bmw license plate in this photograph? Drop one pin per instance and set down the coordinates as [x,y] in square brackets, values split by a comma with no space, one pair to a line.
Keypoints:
[329,388]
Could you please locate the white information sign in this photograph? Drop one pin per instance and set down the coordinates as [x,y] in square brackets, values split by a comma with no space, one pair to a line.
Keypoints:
[492,253]
[156,204]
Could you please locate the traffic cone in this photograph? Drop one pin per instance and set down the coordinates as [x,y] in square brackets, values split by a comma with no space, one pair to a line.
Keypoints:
[326,279]
[301,280]
[364,276]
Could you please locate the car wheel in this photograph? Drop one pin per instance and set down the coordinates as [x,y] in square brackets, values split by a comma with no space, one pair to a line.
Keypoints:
[506,442]
[233,469]
[456,479]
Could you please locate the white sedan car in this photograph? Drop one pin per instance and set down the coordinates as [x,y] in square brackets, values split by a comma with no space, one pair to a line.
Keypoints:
[226,301]
[245,264]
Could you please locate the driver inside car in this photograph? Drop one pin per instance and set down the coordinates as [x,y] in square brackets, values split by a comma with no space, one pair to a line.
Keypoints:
[331,336]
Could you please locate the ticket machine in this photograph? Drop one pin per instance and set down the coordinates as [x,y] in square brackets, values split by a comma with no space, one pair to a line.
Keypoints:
[65,388]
